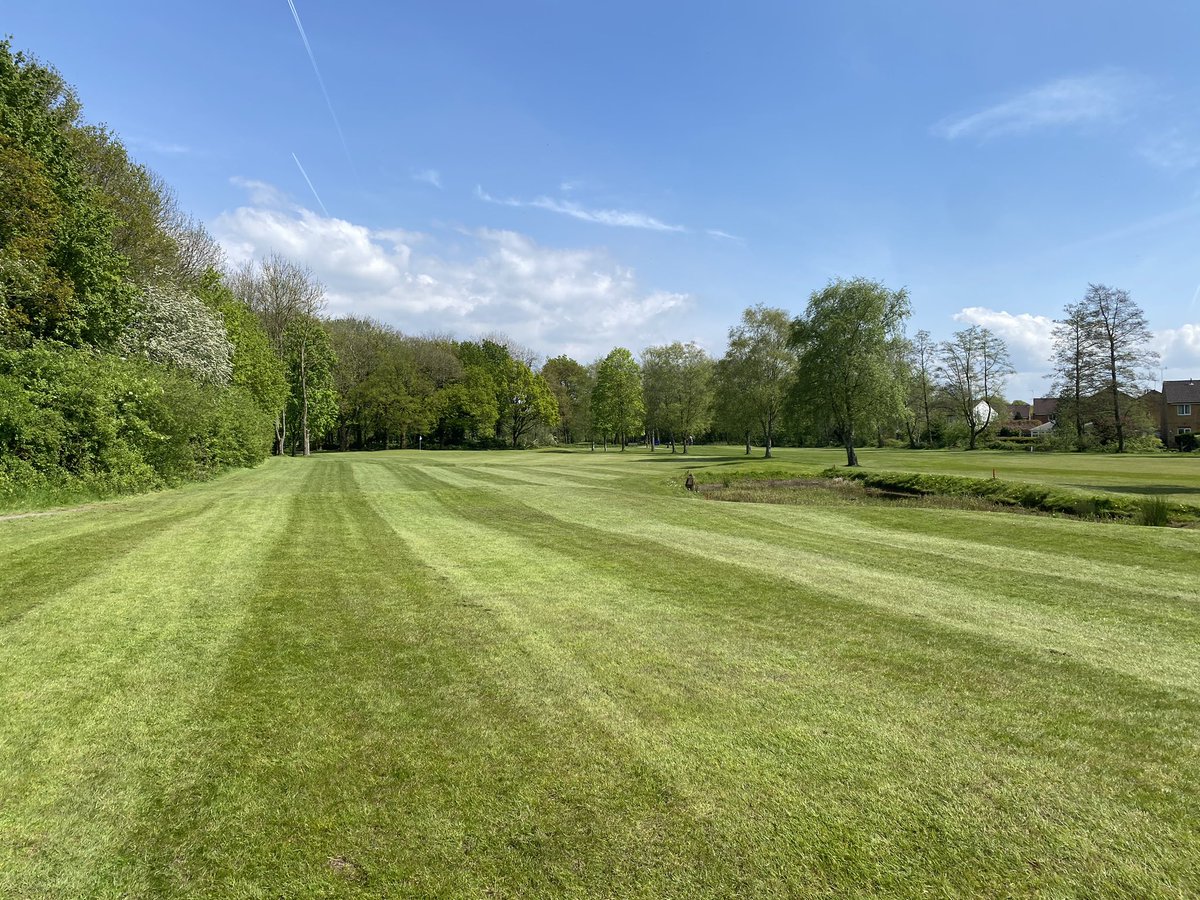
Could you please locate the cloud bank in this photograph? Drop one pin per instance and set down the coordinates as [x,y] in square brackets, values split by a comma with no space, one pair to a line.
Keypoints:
[576,300]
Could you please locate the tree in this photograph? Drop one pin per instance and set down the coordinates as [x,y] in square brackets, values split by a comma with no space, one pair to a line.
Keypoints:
[617,402]
[280,292]
[61,278]
[527,401]
[176,328]
[848,340]
[678,382]
[973,365]
[922,361]
[311,362]
[572,390]
[761,364]
[1122,337]
[256,367]
[1077,368]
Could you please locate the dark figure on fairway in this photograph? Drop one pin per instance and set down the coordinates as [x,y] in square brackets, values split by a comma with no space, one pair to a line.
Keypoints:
[690,482]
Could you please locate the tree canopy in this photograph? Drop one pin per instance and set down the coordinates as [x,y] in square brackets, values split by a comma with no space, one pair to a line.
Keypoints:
[849,340]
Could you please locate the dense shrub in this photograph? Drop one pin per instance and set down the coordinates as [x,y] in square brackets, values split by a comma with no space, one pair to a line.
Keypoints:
[82,419]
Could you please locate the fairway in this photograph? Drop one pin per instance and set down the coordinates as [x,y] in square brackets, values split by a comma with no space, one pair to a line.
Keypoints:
[552,674]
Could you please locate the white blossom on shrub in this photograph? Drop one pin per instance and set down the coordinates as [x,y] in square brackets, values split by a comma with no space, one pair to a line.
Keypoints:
[173,327]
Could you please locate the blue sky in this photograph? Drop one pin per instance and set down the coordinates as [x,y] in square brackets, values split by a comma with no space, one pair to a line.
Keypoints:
[580,176]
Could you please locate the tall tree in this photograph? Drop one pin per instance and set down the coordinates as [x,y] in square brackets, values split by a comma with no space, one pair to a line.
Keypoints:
[679,390]
[311,362]
[1123,338]
[528,401]
[280,292]
[571,387]
[973,365]
[618,405]
[848,340]
[1077,367]
[761,363]
[922,360]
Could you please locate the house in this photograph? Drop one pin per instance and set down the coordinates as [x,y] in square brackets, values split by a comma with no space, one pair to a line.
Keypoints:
[1044,409]
[1018,411]
[1179,410]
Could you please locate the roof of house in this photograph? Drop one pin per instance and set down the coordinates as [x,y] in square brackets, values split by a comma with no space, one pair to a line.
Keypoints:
[1181,391]
[1045,406]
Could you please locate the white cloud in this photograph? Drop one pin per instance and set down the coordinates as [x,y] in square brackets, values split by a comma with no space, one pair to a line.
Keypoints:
[429,176]
[724,235]
[614,217]
[1180,350]
[1171,150]
[574,300]
[1030,338]
[1105,96]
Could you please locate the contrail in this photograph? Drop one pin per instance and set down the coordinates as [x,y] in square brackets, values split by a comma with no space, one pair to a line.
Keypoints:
[321,81]
[310,185]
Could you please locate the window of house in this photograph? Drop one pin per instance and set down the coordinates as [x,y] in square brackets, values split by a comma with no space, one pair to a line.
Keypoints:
[1184,430]
[1184,409]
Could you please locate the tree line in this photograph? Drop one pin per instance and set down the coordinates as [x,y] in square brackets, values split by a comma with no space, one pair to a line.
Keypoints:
[132,356]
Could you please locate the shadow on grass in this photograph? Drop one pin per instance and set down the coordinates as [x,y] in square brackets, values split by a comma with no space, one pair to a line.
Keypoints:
[1148,489]
[697,459]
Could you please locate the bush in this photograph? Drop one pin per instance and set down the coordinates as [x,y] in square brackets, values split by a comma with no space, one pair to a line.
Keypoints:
[78,420]
[1153,511]
[1144,443]
[1187,442]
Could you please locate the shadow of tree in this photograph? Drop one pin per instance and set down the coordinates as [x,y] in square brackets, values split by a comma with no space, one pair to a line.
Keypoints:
[1149,489]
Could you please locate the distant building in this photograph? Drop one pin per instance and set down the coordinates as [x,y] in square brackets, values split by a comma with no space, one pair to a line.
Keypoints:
[1044,409]
[1019,411]
[1179,410]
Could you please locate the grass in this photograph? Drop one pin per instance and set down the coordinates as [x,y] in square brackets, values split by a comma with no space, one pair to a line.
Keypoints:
[533,674]
[1173,476]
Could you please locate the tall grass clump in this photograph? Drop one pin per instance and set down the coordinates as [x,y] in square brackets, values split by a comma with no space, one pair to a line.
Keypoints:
[1153,511]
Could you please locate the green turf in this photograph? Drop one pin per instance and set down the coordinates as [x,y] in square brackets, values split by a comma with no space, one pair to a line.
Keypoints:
[1174,476]
[543,675]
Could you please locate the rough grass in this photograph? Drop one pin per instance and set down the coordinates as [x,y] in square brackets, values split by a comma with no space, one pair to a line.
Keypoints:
[1173,476]
[524,675]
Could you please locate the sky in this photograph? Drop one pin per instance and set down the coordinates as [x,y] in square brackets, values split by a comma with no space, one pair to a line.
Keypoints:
[582,176]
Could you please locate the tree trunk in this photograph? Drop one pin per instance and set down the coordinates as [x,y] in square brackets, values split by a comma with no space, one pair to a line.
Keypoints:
[304,398]
[747,441]
[767,446]
[1116,395]
[851,454]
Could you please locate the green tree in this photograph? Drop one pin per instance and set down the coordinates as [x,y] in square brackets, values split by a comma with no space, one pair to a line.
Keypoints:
[280,292]
[311,361]
[848,341]
[973,365]
[922,384]
[1078,373]
[569,383]
[63,278]
[618,406]
[1122,339]
[527,401]
[760,365]
[679,390]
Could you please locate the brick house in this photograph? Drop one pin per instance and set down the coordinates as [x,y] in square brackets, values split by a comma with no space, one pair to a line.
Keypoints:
[1180,410]
[1044,409]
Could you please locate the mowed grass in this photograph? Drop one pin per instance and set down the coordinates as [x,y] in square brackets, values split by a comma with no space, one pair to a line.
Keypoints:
[544,675]
[1172,476]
